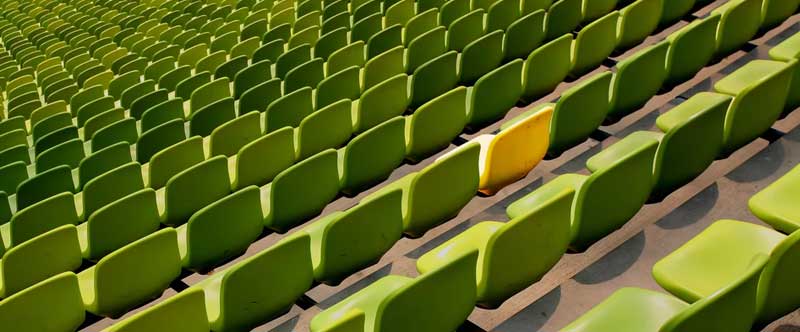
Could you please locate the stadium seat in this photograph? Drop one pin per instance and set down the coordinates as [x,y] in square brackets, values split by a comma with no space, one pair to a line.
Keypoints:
[563,17]
[194,188]
[773,12]
[260,287]
[289,110]
[691,48]
[480,57]
[251,76]
[739,22]
[675,10]
[435,124]
[721,254]
[345,84]
[385,40]
[524,35]
[382,102]
[69,153]
[102,161]
[638,78]
[148,101]
[260,96]
[221,230]
[494,94]
[189,85]
[252,165]
[788,51]
[111,186]
[465,30]
[437,76]
[328,128]
[347,241]
[618,187]
[292,58]
[205,120]
[370,157]
[228,138]
[307,74]
[439,300]
[513,255]
[159,138]
[132,93]
[209,93]
[774,206]
[146,267]
[292,198]
[346,57]
[49,306]
[383,67]
[39,258]
[594,43]
[546,67]
[452,180]
[185,311]
[43,185]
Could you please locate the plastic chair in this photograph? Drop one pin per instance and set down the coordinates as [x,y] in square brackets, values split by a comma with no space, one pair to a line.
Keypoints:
[370,157]
[185,311]
[691,48]
[739,22]
[594,43]
[435,124]
[524,35]
[770,204]
[480,57]
[253,167]
[504,85]
[563,17]
[436,77]
[30,310]
[289,110]
[465,30]
[345,84]
[638,78]
[327,128]
[194,188]
[546,67]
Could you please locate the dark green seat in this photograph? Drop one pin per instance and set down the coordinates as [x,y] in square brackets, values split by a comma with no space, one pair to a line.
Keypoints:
[480,57]
[494,94]
[638,78]
[435,124]
[594,43]
[43,185]
[204,120]
[563,17]
[104,160]
[195,188]
[39,218]
[546,67]
[691,48]
[380,103]
[370,157]
[436,77]
[158,138]
[289,110]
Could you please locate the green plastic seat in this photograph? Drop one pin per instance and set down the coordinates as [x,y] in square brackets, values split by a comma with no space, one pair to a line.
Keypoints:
[259,161]
[111,186]
[452,180]
[69,153]
[39,218]
[423,22]
[171,79]
[563,17]
[638,78]
[513,255]
[251,76]
[435,124]
[120,131]
[500,14]
[260,287]
[174,159]
[399,13]
[39,258]
[383,67]
[618,187]
[44,185]
[49,306]
[367,27]
[637,21]
[439,300]
[594,43]
[425,47]
[721,254]
[157,69]
[102,161]
[211,62]
[732,308]
[345,242]
[465,30]
[119,223]
[292,199]
[185,311]
[345,84]
[91,109]
[739,22]
[207,182]
[190,56]
[673,11]
[146,267]
[228,138]
[480,57]
[259,97]
[577,114]
[691,48]
[329,42]
[789,50]
[117,86]
[546,67]
[209,93]
[308,74]
[770,204]
[524,35]
[775,12]
[328,128]
[370,157]
[385,40]
[132,93]
[440,75]
[230,68]
[494,94]
[289,110]
[346,57]
[148,101]
[203,121]
[760,89]
[380,103]
[159,138]
[291,59]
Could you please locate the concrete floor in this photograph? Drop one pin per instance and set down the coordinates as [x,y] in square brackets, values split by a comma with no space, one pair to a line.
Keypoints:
[622,259]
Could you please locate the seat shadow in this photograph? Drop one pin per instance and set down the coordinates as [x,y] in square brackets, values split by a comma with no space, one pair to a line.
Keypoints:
[692,211]
[614,263]
[534,316]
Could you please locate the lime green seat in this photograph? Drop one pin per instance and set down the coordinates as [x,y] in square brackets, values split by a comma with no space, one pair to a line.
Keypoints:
[132,93]
[346,57]
[440,75]
[720,254]
[205,120]
[293,199]
[425,47]
[345,84]
[110,186]
[775,12]
[347,241]
[194,188]
[760,89]
[171,78]
[228,138]
[292,58]
[524,35]
[253,167]
[69,153]
[148,101]
[39,258]
[221,230]
[289,110]
[691,48]
[307,74]
[439,191]
[739,22]
[328,128]
[638,78]
[260,96]
[513,255]
[494,94]
[546,67]
[364,28]
[39,218]
[102,161]
[186,87]
[119,223]
[209,93]
[370,157]
[185,311]
[385,40]
[439,300]
[121,131]
[480,57]
[774,204]
[465,30]
[251,76]
[563,17]
[146,267]
[383,67]
[52,305]
[158,138]
[673,11]
[618,187]
[116,86]
[51,124]
[380,103]
[435,124]
[230,68]
[594,43]
[260,287]
[577,114]
[43,185]
[787,51]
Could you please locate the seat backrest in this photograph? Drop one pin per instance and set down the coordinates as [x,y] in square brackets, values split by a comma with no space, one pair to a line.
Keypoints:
[345,84]
[174,159]
[775,12]
[594,43]
[251,76]
[47,111]
[382,102]
[69,153]
[439,301]
[732,308]
[42,217]
[130,94]
[739,23]
[501,14]
[524,35]
[777,290]
[356,237]
[563,17]
[210,117]
[346,57]
[674,10]
[40,258]
[294,199]
[495,94]
[465,30]
[327,128]
[613,194]
[259,97]
[110,186]
[579,112]
[187,86]
[159,138]
[638,78]
[289,110]
[51,304]
[370,157]
[11,175]
[185,311]
[265,285]
[426,20]
[209,93]
[383,67]
[161,113]
[292,58]
[434,78]
[538,237]
[147,101]
[364,28]
[691,48]
[253,167]
[146,267]
[425,47]
[228,138]
[439,191]
[223,229]
[637,21]
[121,222]
[384,40]
[194,188]
[481,56]
[43,185]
